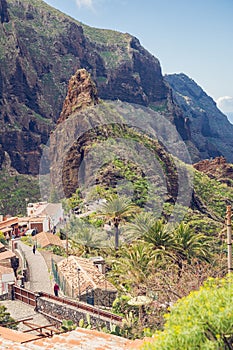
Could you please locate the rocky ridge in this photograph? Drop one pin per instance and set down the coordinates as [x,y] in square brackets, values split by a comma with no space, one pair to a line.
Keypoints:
[210,130]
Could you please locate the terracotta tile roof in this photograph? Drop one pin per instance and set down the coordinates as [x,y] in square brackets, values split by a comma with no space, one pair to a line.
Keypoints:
[47,209]
[8,222]
[52,208]
[45,239]
[15,336]
[79,339]
[39,209]
[6,255]
[89,275]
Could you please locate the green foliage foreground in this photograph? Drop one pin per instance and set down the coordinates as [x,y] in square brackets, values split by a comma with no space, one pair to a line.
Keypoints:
[202,320]
[6,320]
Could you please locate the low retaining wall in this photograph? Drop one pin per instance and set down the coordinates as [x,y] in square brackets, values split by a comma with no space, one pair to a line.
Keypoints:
[56,311]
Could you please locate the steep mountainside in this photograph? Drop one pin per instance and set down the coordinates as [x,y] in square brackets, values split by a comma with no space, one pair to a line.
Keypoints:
[110,147]
[40,49]
[211,132]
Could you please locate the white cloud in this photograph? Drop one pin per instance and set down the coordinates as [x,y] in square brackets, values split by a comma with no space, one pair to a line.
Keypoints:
[225,104]
[85,3]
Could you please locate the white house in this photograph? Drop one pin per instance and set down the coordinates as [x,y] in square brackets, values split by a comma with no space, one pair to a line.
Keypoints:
[6,276]
[44,216]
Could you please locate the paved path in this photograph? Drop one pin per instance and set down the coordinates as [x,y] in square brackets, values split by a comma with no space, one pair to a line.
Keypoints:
[19,310]
[40,279]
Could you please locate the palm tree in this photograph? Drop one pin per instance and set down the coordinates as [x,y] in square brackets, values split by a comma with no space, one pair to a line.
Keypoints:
[86,235]
[139,225]
[191,245]
[117,209]
[134,265]
[160,236]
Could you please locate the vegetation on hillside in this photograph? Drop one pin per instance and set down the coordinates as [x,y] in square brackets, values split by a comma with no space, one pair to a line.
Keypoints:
[150,257]
[202,320]
[16,191]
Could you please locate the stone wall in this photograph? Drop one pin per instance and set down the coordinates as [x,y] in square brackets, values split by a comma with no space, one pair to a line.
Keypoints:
[61,312]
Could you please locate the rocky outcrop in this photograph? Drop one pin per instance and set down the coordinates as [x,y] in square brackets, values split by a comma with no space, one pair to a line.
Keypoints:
[210,130]
[217,168]
[82,93]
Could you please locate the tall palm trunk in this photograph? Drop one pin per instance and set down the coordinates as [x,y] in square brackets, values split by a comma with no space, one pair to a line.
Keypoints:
[116,224]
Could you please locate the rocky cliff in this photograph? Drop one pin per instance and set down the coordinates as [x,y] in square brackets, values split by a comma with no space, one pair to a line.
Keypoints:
[40,49]
[210,130]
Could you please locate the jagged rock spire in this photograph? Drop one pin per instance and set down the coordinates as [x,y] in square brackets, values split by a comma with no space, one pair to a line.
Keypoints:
[82,93]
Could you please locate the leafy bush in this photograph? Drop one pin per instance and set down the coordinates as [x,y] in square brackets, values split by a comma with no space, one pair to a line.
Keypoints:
[121,307]
[202,320]
[6,318]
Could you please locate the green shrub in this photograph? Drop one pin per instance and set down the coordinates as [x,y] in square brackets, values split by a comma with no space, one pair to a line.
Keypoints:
[6,318]
[202,320]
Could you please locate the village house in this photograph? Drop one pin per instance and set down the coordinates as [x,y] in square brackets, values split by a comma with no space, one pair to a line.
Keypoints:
[6,256]
[6,276]
[47,239]
[44,216]
[81,278]
[9,226]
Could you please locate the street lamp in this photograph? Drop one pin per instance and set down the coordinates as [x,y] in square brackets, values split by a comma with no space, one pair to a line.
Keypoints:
[78,270]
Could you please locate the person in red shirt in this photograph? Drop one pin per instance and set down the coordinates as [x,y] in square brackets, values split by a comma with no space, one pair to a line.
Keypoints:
[56,289]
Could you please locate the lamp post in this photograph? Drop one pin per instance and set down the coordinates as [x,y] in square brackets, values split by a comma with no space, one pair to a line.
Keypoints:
[78,270]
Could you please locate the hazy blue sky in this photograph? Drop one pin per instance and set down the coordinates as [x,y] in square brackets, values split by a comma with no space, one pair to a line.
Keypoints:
[189,36]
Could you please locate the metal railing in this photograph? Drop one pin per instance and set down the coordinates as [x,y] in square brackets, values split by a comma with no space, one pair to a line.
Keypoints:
[26,296]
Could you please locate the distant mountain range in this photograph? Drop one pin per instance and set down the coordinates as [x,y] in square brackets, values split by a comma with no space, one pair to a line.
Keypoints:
[41,48]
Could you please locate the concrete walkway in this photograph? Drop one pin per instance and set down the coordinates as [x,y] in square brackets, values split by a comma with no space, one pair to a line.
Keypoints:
[19,310]
[40,279]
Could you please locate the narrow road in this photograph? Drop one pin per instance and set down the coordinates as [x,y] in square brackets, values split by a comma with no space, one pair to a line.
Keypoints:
[40,279]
